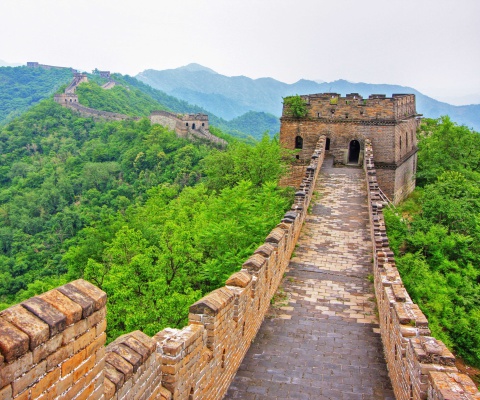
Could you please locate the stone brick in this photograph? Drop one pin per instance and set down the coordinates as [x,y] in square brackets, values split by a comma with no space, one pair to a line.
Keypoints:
[15,369]
[45,383]
[137,346]
[101,327]
[6,393]
[73,391]
[83,368]
[127,353]
[70,364]
[110,389]
[26,380]
[99,296]
[86,302]
[86,393]
[47,313]
[239,279]
[115,376]
[146,340]
[212,303]
[47,348]
[96,344]
[37,330]
[71,310]
[275,236]
[118,362]
[96,318]
[84,340]
[13,342]
[61,386]
[62,354]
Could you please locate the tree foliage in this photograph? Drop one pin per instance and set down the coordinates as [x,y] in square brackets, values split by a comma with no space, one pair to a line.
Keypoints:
[295,106]
[437,240]
[143,214]
[22,87]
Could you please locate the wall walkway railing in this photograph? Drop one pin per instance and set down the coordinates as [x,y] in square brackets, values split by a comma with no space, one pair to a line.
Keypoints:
[420,366]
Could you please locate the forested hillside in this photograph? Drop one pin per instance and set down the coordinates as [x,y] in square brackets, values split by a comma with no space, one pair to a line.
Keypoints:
[436,235]
[154,220]
[22,87]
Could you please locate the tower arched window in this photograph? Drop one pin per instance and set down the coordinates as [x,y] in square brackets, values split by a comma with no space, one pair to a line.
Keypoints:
[299,142]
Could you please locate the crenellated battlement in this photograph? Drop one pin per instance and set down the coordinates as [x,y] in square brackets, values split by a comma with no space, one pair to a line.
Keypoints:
[354,108]
[419,365]
[389,122]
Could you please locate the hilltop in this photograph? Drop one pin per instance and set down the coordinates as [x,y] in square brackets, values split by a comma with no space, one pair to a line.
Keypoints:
[230,97]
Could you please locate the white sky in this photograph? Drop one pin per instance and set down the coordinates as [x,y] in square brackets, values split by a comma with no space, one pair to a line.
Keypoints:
[431,45]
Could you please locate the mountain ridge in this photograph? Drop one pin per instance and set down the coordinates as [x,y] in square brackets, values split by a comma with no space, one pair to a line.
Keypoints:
[231,97]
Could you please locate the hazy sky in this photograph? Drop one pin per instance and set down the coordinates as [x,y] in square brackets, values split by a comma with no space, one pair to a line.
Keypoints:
[432,45]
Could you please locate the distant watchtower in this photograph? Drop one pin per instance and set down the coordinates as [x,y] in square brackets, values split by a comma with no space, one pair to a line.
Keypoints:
[389,122]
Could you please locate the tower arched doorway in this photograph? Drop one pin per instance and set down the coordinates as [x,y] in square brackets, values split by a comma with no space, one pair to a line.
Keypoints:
[353,152]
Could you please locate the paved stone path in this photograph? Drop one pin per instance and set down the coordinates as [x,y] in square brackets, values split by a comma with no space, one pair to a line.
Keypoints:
[321,340]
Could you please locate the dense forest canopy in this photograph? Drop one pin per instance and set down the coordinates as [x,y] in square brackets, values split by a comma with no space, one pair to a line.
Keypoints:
[22,87]
[436,235]
[155,220]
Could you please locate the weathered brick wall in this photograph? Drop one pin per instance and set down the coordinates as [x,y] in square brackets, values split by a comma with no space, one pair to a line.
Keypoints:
[164,118]
[419,365]
[52,345]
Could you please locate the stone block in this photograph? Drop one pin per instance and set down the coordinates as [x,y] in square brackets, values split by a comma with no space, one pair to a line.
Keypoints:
[239,279]
[127,353]
[45,383]
[13,370]
[56,320]
[99,296]
[213,303]
[13,342]
[119,363]
[71,310]
[86,303]
[73,362]
[45,349]
[29,378]
[114,376]
[36,329]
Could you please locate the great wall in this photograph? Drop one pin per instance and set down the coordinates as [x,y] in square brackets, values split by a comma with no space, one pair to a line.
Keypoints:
[53,345]
[188,126]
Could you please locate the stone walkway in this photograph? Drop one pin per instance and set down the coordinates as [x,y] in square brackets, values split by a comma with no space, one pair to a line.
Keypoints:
[321,338]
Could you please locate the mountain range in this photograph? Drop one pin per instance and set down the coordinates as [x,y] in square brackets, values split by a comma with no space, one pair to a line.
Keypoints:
[232,97]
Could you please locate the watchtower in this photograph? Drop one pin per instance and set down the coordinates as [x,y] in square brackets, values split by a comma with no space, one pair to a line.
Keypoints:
[389,122]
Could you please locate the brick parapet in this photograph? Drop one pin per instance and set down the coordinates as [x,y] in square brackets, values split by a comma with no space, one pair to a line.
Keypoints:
[419,365]
[52,345]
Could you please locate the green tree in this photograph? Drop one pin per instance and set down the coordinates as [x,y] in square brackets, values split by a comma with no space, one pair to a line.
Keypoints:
[296,107]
